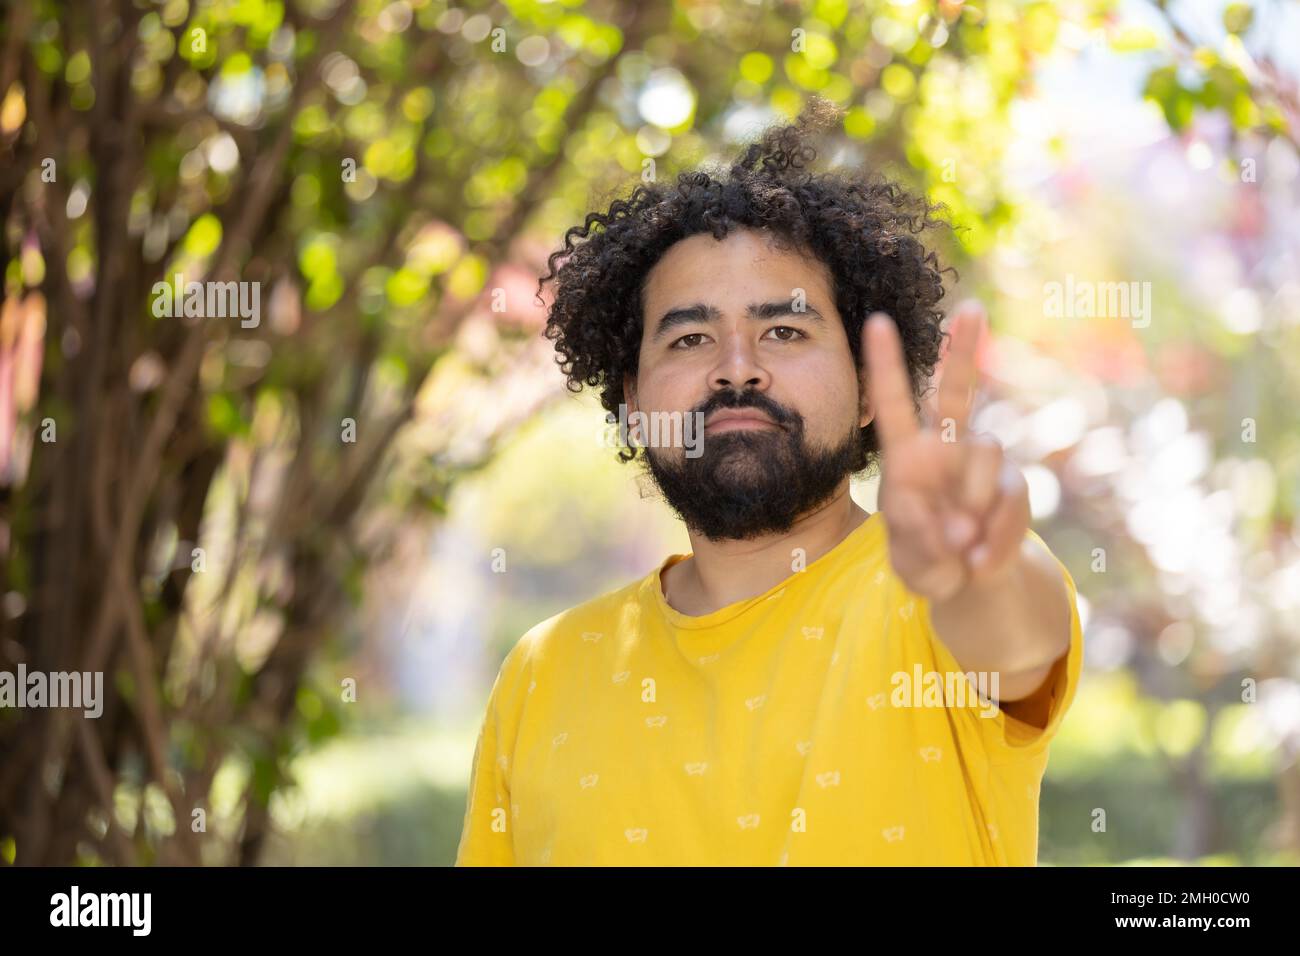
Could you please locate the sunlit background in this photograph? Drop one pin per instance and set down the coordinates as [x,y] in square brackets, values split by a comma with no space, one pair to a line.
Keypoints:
[321,678]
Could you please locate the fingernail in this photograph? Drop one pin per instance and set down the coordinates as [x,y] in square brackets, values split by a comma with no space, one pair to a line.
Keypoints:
[959,530]
[979,555]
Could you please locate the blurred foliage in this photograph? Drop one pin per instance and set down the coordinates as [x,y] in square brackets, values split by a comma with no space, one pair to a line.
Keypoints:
[222,500]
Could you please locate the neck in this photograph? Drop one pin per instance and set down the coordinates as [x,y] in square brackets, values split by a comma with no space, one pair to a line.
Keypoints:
[723,572]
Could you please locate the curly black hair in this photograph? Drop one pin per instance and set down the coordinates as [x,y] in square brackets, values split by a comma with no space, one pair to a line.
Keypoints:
[862,228]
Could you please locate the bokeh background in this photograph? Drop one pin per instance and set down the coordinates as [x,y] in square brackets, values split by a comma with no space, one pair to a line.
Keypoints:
[301,550]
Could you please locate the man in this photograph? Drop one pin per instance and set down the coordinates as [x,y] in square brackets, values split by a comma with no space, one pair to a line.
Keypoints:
[812,685]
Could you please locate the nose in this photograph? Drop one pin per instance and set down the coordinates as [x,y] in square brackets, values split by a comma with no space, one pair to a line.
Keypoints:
[738,367]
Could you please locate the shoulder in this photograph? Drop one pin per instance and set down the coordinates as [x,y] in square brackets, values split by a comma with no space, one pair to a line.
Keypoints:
[862,557]
[592,622]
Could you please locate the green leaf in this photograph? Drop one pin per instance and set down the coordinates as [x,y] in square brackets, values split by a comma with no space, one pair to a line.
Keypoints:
[224,416]
[1133,39]
[1237,17]
[203,237]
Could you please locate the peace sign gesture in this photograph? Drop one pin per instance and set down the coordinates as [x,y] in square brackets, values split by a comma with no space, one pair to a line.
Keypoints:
[956,510]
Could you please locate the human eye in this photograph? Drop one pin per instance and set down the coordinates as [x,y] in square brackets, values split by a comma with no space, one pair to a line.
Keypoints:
[693,335]
[786,328]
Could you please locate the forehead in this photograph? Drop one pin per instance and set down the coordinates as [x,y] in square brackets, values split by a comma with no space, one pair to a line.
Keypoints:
[747,260]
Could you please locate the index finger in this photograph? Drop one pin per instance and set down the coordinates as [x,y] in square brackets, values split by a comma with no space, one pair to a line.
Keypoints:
[888,383]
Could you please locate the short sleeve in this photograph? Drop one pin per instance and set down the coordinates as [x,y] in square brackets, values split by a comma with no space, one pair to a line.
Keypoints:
[486,837]
[1005,737]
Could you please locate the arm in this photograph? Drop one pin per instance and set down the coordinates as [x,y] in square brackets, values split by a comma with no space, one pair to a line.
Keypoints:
[487,837]
[957,513]
[1016,623]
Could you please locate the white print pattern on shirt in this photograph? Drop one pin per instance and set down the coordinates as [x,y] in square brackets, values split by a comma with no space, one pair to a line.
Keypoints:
[636,832]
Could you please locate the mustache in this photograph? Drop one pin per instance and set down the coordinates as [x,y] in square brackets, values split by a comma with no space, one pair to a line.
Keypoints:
[748,399]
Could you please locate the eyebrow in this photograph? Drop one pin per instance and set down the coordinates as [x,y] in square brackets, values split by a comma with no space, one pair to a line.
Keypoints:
[762,311]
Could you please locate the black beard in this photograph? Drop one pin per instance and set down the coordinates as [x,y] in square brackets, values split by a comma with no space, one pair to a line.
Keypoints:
[748,483]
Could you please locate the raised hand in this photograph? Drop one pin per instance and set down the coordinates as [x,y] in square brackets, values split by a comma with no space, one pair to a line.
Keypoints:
[955,508]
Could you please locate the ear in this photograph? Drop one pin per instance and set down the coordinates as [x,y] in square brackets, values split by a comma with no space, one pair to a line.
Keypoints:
[866,411]
[633,418]
[629,393]
[868,414]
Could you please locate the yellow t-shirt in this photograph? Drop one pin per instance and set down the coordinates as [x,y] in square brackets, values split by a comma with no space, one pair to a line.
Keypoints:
[804,726]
